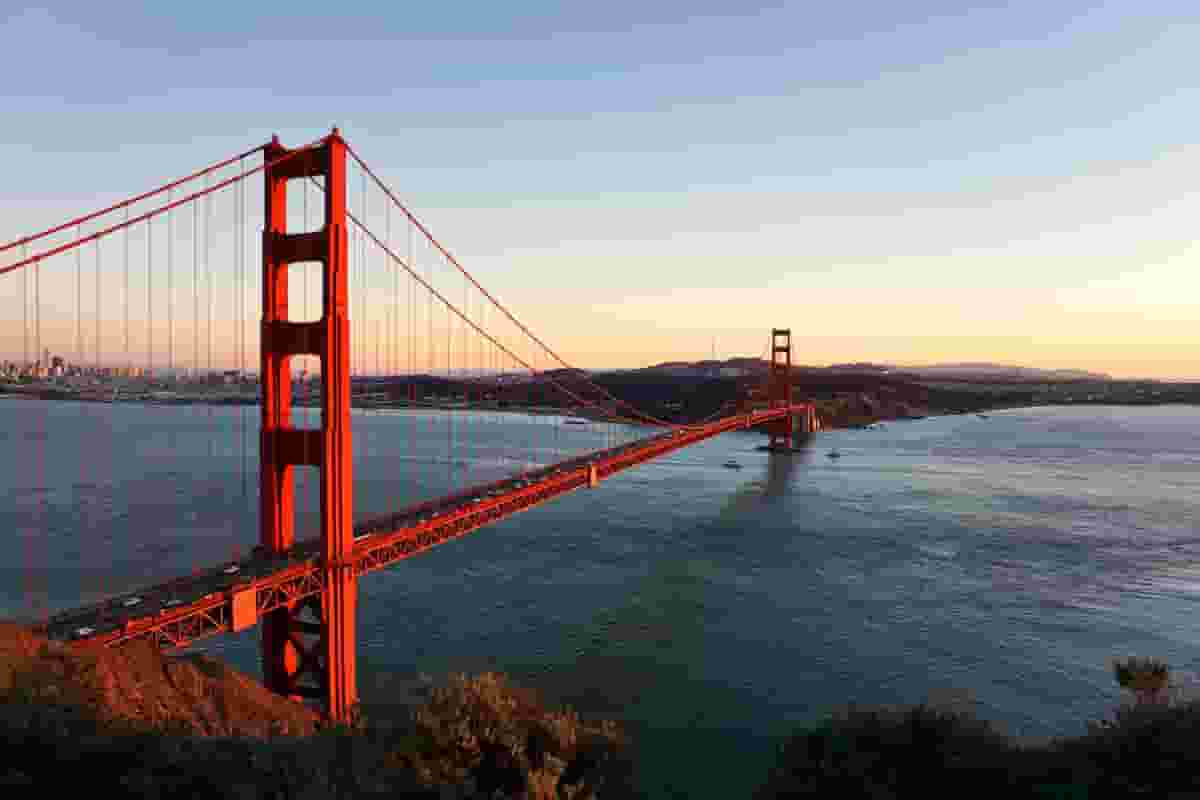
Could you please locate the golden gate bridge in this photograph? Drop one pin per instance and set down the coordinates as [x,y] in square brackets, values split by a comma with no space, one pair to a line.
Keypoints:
[353,286]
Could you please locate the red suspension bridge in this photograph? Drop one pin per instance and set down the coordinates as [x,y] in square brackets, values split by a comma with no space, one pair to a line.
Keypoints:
[372,306]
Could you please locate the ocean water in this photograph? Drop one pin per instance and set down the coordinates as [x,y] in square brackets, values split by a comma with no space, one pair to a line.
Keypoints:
[712,610]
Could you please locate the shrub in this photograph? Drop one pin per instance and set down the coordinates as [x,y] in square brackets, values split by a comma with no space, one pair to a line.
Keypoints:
[1147,678]
[502,738]
[888,753]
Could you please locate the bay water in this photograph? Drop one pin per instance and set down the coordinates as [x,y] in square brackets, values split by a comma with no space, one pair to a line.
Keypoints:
[712,610]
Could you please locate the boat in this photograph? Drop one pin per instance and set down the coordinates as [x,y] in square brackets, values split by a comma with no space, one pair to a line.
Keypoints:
[577,422]
[834,454]
[983,416]
[731,464]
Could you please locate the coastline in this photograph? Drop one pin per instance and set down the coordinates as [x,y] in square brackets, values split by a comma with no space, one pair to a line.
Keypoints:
[833,414]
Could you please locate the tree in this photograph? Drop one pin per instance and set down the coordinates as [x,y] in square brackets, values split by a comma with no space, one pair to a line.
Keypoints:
[1147,678]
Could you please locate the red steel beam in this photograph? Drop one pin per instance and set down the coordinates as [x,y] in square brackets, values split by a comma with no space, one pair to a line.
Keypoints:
[377,550]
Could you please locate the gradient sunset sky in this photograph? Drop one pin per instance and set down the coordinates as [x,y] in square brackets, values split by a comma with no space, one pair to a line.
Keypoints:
[907,182]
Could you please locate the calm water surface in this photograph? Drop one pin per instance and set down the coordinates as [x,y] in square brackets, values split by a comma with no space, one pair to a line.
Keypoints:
[711,609]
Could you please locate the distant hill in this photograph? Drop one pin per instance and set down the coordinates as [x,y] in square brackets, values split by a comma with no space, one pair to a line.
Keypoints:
[966,371]
[1001,371]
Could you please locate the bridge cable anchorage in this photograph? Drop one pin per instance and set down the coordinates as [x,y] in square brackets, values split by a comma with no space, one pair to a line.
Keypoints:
[452,260]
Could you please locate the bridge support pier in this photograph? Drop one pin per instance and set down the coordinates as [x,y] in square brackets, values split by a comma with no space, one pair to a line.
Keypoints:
[329,661]
[779,389]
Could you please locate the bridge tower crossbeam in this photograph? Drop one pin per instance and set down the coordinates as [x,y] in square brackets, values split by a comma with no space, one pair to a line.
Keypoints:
[292,661]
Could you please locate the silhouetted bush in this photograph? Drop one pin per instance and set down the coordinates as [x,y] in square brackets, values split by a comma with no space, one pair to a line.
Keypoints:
[472,737]
[1147,678]
[1146,750]
[502,738]
[890,753]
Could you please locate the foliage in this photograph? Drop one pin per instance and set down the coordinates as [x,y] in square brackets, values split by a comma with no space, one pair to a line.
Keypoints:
[1145,750]
[1141,673]
[473,736]
[501,738]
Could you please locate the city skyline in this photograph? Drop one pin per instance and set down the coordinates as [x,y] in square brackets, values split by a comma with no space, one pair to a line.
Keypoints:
[913,185]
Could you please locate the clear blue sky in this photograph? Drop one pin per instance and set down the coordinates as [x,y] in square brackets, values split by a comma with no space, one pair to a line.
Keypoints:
[907,182]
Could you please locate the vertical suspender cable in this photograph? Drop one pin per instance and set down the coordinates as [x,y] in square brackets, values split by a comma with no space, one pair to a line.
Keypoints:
[412,372]
[78,366]
[37,316]
[393,319]
[125,296]
[26,363]
[78,275]
[208,273]
[149,298]
[97,299]
[27,369]
[395,300]
[450,395]
[241,316]
[195,290]
[362,278]
[434,467]
[464,429]
[40,472]
[170,291]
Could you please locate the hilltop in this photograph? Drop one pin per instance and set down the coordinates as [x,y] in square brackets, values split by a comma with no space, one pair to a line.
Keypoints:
[139,724]
[966,371]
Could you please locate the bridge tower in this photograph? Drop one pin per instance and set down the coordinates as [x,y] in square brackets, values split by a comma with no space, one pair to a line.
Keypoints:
[779,388]
[311,658]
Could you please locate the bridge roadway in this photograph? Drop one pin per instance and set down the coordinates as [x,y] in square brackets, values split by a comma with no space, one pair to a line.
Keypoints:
[236,595]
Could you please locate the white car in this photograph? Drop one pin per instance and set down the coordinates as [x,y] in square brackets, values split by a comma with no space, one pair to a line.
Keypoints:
[231,569]
[174,601]
[131,602]
[84,631]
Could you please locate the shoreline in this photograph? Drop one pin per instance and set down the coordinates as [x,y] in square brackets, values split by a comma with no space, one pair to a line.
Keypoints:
[858,423]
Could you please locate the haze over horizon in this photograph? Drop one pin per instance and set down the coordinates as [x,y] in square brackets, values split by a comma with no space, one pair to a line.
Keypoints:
[897,183]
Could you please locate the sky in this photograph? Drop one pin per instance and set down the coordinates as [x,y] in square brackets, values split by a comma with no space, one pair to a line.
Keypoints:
[905,183]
